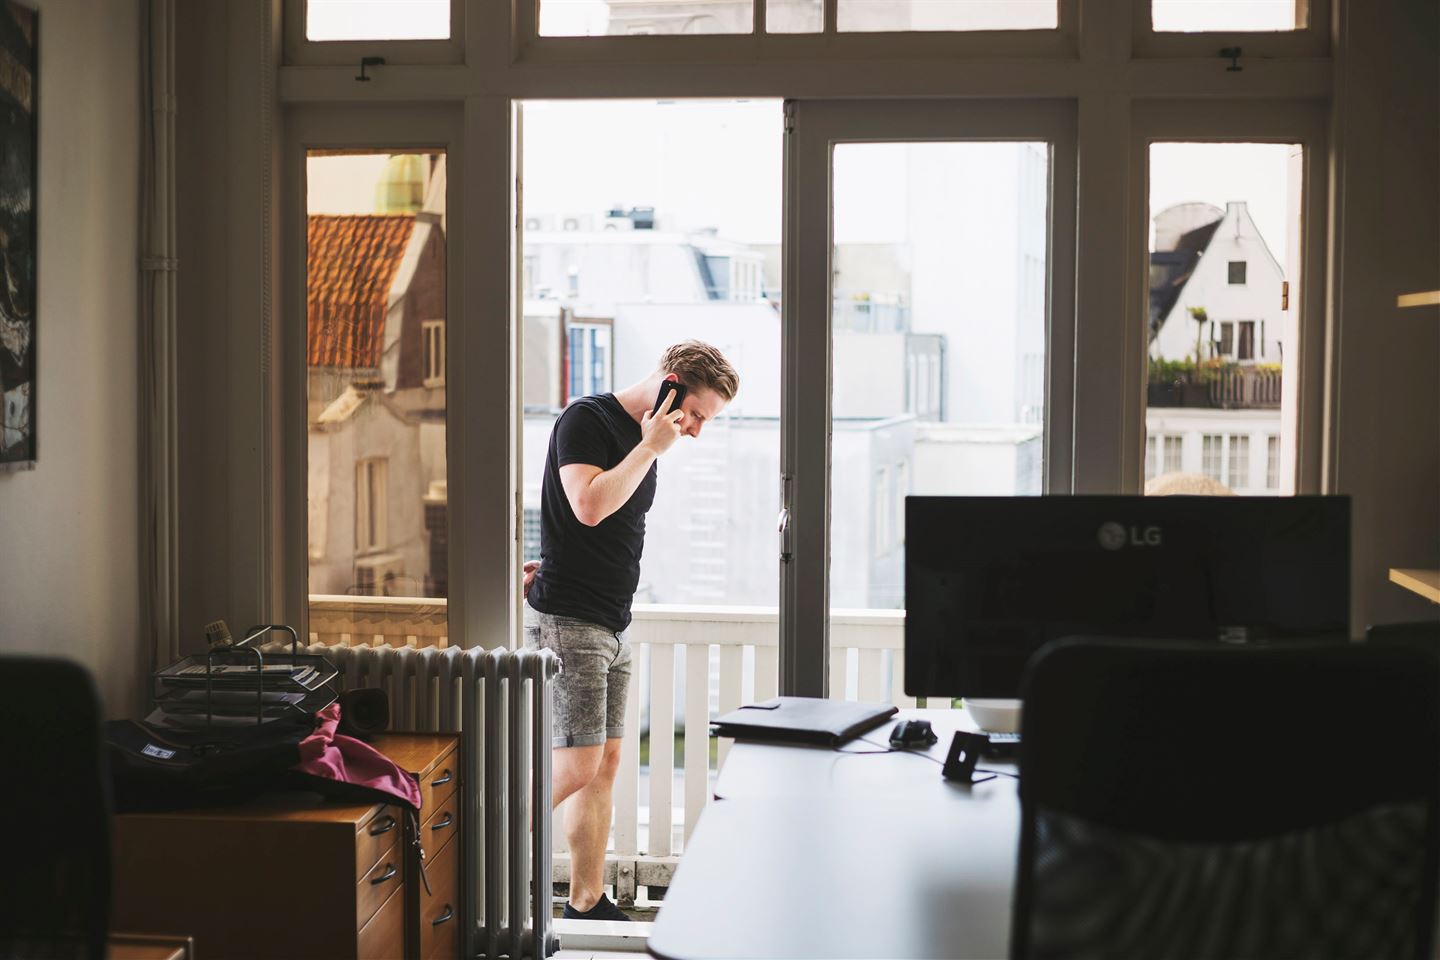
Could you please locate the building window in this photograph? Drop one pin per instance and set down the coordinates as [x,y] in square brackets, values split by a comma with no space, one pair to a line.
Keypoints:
[1211,453]
[589,359]
[434,335]
[1150,464]
[882,511]
[1272,463]
[1173,447]
[902,489]
[1237,271]
[371,505]
[1227,339]
[1245,349]
[530,534]
[1239,467]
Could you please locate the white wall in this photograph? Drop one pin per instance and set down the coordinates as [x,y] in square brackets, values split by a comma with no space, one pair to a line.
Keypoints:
[68,576]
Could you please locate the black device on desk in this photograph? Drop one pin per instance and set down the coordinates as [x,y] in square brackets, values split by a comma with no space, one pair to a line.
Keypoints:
[989,580]
[912,733]
[803,720]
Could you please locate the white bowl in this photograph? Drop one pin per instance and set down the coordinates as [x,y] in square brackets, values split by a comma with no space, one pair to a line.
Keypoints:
[997,716]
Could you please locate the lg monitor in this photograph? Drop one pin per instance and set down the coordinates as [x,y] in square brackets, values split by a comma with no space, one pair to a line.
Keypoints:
[989,580]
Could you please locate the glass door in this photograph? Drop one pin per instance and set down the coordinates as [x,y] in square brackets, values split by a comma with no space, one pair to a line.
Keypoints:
[929,321]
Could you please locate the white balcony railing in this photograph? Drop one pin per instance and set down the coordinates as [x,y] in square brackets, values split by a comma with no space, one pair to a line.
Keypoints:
[727,656]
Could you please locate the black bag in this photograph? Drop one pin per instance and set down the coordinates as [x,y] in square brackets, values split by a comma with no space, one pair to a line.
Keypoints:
[172,769]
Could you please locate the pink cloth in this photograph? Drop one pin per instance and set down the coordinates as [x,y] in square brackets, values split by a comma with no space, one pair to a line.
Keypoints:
[337,757]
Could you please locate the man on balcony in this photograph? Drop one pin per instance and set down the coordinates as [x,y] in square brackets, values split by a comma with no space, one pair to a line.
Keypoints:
[600,478]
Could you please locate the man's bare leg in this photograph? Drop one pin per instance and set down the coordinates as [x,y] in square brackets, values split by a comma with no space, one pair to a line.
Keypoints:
[587,821]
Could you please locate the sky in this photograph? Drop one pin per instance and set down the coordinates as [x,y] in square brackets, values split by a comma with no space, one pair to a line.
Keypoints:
[719,164]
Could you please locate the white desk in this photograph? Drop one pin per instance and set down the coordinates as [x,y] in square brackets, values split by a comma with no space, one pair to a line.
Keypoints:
[809,853]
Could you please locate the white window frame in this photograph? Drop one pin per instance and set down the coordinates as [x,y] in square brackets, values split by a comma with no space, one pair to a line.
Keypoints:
[1305,462]
[814,128]
[301,51]
[478,606]
[758,46]
[1106,69]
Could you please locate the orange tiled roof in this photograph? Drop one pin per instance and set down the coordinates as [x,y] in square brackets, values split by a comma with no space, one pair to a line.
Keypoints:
[350,264]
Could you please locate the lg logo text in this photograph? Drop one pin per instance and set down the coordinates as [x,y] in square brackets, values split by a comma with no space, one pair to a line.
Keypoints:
[1115,536]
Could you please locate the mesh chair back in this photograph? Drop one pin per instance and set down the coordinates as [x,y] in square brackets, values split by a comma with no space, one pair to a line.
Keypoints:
[1206,801]
[56,801]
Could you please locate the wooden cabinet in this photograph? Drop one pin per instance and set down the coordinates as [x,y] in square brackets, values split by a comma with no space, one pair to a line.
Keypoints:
[293,876]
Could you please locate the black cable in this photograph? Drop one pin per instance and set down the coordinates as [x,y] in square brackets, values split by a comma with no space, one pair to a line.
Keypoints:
[923,756]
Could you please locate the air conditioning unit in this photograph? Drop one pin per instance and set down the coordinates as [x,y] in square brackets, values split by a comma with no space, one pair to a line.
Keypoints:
[539,224]
[579,223]
[375,572]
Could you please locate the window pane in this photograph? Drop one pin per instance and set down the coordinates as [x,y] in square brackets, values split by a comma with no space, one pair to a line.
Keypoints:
[794,16]
[1210,462]
[1239,467]
[1197,16]
[1173,449]
[671,232]
[377,19]
[938,325]
[930,15]
[598,18]
[375,411]
[1224,230]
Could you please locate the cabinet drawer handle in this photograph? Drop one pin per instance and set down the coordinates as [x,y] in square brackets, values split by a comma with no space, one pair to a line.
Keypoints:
[449,913]
[389,873]
[442,824]
[384,825]
[444,779]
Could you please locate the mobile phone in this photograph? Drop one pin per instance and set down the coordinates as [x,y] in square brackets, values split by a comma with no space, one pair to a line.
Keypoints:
[669,386]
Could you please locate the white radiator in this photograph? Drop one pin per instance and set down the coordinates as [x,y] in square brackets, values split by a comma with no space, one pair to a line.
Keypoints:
[499,702]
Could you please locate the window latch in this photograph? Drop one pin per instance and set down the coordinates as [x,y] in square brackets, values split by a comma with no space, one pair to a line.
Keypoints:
[369,62]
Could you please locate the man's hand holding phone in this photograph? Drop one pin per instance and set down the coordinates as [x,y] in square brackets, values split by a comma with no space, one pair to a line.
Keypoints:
[661,427]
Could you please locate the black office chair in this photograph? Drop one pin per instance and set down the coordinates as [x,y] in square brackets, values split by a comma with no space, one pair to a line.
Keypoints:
[55,805]
[1208,801]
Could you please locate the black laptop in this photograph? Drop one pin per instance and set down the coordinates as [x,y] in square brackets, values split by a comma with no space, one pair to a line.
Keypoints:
[803,720]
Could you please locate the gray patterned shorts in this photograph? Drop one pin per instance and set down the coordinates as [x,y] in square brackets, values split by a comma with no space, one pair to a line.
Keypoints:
[589,698]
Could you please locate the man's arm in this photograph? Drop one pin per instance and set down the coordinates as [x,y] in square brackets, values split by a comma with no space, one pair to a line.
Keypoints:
[594,494]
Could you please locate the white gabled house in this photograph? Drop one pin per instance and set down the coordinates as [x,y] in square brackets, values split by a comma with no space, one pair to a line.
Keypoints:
[1224,267]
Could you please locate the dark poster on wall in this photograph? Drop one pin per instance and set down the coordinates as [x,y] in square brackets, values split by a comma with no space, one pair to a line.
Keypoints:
[17,233]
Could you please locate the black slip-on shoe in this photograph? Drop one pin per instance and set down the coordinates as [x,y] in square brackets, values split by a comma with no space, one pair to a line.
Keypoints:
[603,910]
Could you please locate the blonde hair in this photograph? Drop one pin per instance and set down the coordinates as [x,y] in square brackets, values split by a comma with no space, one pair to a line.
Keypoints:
[698,364]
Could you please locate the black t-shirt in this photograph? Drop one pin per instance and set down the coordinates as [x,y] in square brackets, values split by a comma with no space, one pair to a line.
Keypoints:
[591,572]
